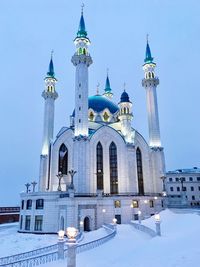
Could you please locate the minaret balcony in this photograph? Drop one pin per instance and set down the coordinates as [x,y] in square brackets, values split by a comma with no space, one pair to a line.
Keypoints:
[77,59]
[150,82]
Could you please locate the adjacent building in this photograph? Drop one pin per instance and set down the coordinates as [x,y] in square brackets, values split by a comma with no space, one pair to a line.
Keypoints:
[183,187]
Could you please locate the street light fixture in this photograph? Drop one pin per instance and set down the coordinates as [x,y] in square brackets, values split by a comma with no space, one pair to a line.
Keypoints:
[61,234]
[72,173]
[34,183]
[114,221]
[71,233]
[27,187]
[60,176]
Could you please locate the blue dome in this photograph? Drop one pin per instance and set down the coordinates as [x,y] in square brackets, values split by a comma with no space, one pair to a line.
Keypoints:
[124,97]
[98,103]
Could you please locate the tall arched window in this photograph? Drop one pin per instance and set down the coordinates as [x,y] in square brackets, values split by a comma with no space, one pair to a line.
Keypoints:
[139,172]
[63,159]
[99,153]
[113,169]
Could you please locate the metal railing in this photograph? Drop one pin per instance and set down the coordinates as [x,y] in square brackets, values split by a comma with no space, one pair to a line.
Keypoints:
[34,261]
[97,242]
[144,229]
[22,256]
[42,255]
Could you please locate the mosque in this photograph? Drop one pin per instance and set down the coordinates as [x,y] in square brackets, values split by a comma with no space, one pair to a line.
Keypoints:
[100,167]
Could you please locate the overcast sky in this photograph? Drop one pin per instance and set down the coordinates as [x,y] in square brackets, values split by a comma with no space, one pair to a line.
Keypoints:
[29,30]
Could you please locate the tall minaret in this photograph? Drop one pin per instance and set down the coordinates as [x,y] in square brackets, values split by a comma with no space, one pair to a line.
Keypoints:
[49,95]
[81,60]
[150,83]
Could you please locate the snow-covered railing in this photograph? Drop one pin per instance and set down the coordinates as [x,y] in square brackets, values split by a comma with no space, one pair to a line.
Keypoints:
[40,256]
[34,261]
[98,242]
[18,257]
[144,229]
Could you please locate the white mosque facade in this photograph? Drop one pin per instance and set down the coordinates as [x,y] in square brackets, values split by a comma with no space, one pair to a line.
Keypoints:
[100,167]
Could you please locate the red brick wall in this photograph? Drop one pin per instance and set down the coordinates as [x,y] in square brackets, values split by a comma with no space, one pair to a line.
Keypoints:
[8,218]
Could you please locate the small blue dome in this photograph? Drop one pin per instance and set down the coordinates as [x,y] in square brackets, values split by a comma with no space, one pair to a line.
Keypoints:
[98,103]
[124,97]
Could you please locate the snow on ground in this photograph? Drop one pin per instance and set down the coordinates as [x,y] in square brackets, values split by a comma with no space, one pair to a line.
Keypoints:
[13,242]
[177,247]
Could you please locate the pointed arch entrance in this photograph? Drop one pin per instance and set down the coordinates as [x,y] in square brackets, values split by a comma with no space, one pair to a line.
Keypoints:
[86,224]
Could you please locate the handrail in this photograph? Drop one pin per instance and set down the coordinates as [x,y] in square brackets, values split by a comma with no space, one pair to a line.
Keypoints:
[144,229]
[28,254]
[30,259]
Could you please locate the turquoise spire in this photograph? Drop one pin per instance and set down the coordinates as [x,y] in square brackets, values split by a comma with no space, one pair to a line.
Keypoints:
[51,72]
[108,91]
[81,30]
[148,57]
[107,86]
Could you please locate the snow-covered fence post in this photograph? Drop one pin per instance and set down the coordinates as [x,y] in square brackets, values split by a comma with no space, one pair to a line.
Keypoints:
[61,244]
[157,222]
[72,233]
[139,216]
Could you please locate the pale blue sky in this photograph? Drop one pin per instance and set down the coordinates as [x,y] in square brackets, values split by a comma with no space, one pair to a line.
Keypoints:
[29,30]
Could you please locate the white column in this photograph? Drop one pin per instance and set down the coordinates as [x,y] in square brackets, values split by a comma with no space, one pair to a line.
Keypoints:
[81,62]
[153,120]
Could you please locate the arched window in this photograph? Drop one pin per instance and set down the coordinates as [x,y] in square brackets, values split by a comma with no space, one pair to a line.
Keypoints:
[105,116]
[63,159]
[113,169]
[99,153]
[91,116]
[84,51]
[139,172]
[124,110]
[152,75]
[80,51]
[149,74]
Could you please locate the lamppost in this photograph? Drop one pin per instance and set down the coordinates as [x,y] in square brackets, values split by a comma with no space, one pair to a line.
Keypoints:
[146,201]
[27,187]
[131,206]
[139,216]
[115,223]
[163,178]
[157,222]
[61,243]
[71,232]
[72,173]
[103,211]
[60,176]
[81,223]
[34,183]
[183,193]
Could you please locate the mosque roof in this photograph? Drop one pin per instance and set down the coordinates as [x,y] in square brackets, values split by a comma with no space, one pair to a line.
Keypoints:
[98,103]
[124,97]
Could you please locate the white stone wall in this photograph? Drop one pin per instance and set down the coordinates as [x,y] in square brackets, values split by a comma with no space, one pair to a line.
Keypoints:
[76,209]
